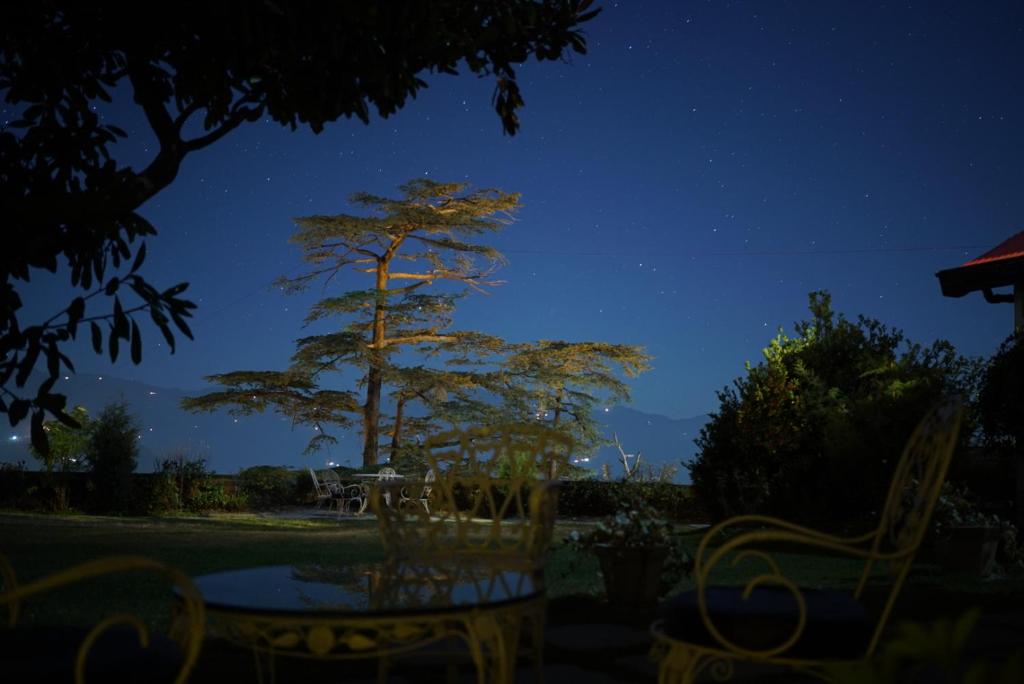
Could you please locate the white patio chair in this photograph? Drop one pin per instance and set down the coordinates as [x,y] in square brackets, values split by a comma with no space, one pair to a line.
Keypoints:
[322,492]
[387,473]
[347,495]
[424,497]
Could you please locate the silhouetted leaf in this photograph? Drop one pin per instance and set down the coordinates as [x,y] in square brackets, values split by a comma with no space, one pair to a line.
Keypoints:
[176,290]
[39,441]
[67,362]
[17,410]
[136,344]
[75,312]
[27,363]
[182,325]
[112,345]
[97,337]
[52,361]
[121,325]
[140,256]
[67,419]
[168,335]
[44,390]
[111,287]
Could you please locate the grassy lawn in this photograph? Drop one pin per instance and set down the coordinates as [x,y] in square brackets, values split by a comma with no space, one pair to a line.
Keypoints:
[38,545]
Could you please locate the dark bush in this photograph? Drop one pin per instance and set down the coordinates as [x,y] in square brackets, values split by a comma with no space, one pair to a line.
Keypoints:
[814,432]
[598,498]
[184,483]
[112,456]
[274,486]
[14,484]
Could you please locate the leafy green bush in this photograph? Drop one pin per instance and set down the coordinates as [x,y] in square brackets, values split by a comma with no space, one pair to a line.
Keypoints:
[814,432]
[184,483]
[274,486]
[112,455]
[1001,398]
[594,498]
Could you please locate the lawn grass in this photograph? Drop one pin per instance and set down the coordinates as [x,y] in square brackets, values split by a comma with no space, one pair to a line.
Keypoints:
[38,545]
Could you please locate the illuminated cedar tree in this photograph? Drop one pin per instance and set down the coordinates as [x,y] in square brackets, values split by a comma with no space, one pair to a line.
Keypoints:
[290,393]
[560,383]
[434,389]
[428,232]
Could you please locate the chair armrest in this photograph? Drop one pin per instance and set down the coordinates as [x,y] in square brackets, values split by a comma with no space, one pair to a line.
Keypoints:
[352,491]
[745,545]
[187,627]
[777,530]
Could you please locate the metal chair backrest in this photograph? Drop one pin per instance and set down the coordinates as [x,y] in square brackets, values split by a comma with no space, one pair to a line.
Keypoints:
[913,492]
[316,483]
[428,483]
[510,450]
[386,473]
[486,498]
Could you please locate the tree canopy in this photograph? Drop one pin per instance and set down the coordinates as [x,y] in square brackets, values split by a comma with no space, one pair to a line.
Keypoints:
[814,431]
[421,252]
[560,383]
[197,72]
[430,232]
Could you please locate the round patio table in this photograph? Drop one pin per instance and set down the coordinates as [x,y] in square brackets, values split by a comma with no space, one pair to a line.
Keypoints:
[375,610]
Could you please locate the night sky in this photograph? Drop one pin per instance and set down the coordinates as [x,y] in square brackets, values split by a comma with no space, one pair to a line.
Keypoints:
[685,185]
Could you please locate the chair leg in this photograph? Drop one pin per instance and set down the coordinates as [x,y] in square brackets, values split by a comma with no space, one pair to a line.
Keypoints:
[681,665]
[537,647]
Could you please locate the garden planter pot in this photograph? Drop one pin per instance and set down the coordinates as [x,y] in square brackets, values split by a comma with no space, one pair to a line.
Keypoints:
[632,576]
[968,549]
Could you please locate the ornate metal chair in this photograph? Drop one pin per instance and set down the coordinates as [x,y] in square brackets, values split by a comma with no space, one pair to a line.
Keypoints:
[119,648]
[385,474]
[771,619]
[494,496]
[424,497]
[323,492]
[493,504]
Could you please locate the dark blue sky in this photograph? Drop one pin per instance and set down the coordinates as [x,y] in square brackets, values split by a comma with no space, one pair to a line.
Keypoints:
[685,185]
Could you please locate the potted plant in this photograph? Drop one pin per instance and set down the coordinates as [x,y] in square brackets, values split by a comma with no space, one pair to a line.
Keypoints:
[637,555]
[966,538]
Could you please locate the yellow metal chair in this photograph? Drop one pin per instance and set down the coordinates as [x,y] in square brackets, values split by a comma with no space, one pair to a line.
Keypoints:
[771,619]
[493,496]
[492,502]
[119,648]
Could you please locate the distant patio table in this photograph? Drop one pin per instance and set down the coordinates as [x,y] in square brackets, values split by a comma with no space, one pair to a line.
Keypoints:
[375,610]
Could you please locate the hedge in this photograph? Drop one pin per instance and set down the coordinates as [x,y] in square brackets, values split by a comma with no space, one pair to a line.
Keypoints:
[266,487]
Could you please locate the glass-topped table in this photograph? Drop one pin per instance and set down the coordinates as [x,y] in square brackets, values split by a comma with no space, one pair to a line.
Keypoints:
[376,610]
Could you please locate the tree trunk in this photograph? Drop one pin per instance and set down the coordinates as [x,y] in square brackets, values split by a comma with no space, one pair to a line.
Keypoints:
[375,377]
[396,440]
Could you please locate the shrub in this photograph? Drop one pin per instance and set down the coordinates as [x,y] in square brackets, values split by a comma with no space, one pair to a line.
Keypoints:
[112,456]
[814,431]
[274,486]
[182,482]
[595,498]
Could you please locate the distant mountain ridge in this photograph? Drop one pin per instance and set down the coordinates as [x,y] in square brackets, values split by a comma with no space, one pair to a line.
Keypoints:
[230,443]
